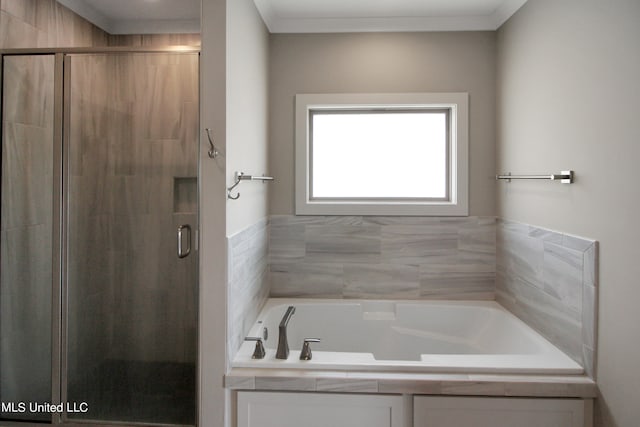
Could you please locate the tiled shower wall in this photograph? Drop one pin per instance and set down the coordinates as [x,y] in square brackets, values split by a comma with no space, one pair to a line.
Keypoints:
[382,257]
[25,338]
[45,23]
[27,229]
[132,182]
[549,280]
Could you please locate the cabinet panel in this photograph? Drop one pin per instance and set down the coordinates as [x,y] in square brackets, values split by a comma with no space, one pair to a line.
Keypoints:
[265,409]
[435,411]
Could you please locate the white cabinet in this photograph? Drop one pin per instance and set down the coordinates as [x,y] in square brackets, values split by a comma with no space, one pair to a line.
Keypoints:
[278,409]
[275,409]
[438,411]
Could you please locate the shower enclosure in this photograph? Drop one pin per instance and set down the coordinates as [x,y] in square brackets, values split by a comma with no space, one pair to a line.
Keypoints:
[99,279]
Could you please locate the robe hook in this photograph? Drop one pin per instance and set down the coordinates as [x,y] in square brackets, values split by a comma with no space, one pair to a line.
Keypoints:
[213,152]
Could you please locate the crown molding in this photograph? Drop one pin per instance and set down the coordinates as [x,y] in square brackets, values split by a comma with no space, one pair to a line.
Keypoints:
[489,22]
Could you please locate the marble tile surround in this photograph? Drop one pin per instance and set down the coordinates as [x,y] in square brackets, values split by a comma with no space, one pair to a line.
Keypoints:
[546,278]
[382,257]
[247,277]
[549,280]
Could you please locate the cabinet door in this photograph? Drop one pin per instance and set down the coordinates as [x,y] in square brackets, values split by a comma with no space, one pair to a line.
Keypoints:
[266,409]
[433,411]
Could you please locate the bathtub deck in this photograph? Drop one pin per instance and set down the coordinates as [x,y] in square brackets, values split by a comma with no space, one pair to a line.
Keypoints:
[570,386]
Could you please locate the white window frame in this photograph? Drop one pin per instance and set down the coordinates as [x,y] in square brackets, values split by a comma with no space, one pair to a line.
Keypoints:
[457,103]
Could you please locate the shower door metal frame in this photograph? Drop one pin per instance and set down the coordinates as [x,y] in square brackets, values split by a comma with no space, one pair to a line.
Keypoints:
[61,144]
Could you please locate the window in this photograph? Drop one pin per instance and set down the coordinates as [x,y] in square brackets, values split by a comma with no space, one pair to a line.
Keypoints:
[381,154]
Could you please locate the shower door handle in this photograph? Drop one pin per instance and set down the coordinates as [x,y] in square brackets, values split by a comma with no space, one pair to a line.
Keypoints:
[182,251]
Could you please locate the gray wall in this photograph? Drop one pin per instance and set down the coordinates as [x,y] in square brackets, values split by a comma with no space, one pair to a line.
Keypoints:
[382,257]
[568,98]
[247,93]
[383,62]
[212,333]
[246,151]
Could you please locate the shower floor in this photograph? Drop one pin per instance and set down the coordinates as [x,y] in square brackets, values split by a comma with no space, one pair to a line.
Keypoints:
[133,391]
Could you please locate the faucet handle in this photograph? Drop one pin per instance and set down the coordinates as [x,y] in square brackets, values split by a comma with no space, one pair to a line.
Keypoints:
[305,354]
[259,351]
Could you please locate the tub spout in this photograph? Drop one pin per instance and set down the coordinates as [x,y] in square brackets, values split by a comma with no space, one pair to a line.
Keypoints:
[283,345]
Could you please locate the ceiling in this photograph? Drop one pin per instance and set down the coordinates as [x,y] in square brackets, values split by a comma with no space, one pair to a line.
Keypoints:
[303,16]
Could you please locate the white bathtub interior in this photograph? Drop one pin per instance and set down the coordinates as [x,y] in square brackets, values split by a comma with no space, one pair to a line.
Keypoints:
[423,336]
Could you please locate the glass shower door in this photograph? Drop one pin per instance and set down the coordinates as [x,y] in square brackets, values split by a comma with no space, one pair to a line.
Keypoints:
[132,152]
[26,253]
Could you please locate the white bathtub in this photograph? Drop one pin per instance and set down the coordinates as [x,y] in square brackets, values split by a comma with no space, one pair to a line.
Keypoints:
[415,336]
